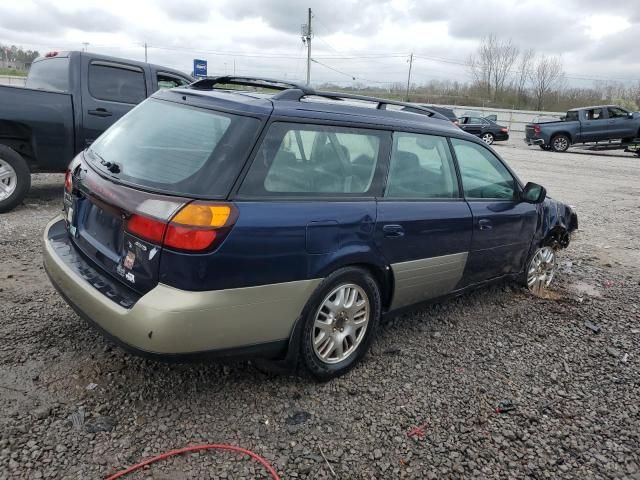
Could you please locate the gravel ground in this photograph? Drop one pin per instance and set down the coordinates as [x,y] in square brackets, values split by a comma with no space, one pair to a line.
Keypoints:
[72,406]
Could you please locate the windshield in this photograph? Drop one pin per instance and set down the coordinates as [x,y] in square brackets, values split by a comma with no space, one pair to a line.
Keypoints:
[176,148]
[49,74]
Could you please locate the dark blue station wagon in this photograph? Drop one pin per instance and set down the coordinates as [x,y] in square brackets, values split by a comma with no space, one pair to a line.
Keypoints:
[220,221]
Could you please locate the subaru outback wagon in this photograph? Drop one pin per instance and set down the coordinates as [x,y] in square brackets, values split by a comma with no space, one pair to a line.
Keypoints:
[231,222]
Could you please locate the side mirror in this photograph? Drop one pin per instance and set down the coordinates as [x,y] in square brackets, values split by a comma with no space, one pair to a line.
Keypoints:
[533,193]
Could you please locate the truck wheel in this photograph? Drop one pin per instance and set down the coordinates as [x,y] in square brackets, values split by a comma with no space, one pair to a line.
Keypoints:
[15,179]
[560,143]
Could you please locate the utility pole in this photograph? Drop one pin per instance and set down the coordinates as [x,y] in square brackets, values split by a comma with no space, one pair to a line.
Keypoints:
[306,38]
[409,77]
[145,52]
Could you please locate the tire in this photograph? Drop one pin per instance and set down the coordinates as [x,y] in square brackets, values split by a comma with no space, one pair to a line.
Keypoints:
[540,270]
[560,143]
[15,179]
[487,138]
[323,330]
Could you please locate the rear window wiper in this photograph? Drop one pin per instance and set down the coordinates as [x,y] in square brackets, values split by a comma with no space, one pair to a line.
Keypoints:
[111,166]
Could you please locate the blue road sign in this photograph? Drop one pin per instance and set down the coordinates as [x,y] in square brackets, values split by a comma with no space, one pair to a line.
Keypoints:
[199,68]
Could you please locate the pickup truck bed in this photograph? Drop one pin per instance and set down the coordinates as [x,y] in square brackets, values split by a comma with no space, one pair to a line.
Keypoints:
[70,99]
[39,125]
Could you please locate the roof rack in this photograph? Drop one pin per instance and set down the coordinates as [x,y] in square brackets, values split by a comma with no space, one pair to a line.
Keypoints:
[209,83]
[295,92]
[381,103]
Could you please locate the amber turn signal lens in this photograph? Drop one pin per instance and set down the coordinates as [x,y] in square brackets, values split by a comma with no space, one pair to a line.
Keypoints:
[201,215]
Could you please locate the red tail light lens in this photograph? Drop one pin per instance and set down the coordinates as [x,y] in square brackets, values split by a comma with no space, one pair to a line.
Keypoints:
[536,129]
[184,238]
[504,130]
[197,226]
[147,228]
[68,181]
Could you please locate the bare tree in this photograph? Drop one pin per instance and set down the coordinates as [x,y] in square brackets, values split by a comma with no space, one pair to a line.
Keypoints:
[527,59]
[491,64]
[546,75]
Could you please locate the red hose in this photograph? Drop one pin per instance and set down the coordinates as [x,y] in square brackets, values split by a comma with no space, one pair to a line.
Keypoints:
[195,448]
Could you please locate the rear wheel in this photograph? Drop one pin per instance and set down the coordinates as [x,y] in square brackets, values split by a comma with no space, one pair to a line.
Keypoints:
[340,321]
[487,138]
[560,143]
[15,179]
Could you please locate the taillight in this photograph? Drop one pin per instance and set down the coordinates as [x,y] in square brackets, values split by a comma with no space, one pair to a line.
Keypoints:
[536,130]
[68,181]
[146,228]
[504,130]
[197,226]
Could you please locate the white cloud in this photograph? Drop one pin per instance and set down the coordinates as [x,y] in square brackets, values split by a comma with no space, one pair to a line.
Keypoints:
[368,39]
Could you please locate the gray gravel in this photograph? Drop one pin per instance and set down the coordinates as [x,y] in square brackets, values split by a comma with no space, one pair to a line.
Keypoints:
[72,406]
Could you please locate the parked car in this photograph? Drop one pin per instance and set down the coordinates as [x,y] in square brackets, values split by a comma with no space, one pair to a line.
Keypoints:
[220,222]
[585,125]
[69,100]
[488,130]
[447,112]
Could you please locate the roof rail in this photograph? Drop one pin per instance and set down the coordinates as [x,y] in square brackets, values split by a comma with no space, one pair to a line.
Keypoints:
[209,83]
[381,103]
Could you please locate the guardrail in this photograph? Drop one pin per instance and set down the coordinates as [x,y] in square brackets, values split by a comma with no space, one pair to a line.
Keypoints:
[13,80]
[515,120]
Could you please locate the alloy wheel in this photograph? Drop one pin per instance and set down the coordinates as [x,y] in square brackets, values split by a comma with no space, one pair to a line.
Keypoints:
[8,180]
[542,269]
[487,138]
[340,323]
[560,144]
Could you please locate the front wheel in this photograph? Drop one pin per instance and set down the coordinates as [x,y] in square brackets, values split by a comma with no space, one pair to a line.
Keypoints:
[560,143]
[15,179]
[541,269]
[340,321]
[487,138]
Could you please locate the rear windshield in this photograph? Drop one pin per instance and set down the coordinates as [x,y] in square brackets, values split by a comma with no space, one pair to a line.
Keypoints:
[49,74]
[175,148]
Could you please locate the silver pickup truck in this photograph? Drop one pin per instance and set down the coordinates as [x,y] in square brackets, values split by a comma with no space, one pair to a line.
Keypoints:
[585,125]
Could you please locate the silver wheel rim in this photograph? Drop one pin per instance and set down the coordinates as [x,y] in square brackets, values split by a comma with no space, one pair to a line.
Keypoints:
[340,323]
[8,180]
[560,143]
[487,138]
[542,268]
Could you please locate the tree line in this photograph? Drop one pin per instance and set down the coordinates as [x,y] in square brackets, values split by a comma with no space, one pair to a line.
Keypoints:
[505,76]
[14,53]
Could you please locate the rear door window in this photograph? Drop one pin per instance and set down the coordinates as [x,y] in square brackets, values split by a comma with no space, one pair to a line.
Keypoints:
[166,80]
[300,159]
[116,83]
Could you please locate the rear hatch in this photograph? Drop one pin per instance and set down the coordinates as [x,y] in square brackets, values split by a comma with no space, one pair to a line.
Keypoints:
[147,167]
[97,210]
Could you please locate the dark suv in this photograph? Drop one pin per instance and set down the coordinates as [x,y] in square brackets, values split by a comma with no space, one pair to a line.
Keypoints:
[228,222]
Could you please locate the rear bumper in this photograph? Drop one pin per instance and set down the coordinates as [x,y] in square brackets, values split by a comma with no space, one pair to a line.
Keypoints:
[168,322]
[534,141]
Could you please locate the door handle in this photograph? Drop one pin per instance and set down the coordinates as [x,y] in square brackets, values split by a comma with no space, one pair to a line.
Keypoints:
[100,112]
[485,224]
[393,231]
